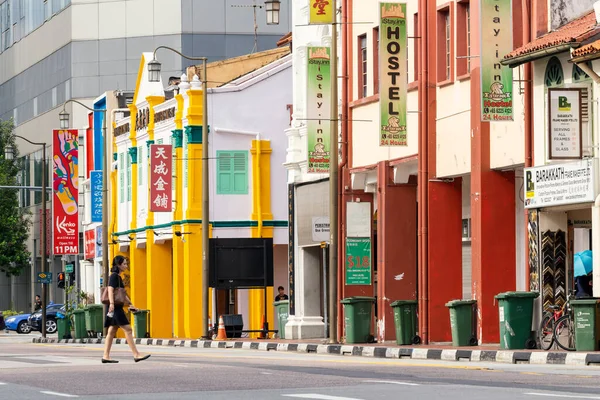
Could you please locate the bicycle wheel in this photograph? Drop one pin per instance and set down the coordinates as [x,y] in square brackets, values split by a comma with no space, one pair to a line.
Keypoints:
[546,332]
[564,334]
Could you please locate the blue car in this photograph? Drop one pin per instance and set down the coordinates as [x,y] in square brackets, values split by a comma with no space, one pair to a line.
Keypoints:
[18,323]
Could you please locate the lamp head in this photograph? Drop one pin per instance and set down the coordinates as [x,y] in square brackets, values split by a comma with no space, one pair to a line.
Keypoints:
[154,71]
[64,119]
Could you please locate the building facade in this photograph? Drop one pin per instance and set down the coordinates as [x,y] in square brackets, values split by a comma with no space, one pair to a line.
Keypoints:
[55,50]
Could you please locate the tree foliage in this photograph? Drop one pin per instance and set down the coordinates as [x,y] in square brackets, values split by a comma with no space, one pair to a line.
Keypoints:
[14,220]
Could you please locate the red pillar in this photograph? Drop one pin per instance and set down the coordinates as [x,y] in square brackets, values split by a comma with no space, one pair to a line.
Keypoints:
[492,214]
[396,247]
[445,255]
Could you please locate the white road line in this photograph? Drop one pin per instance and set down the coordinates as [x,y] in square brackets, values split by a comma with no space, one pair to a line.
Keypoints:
[318,396]
[2,383]
[563,396]
[58,394]
[394,383]
[266,373]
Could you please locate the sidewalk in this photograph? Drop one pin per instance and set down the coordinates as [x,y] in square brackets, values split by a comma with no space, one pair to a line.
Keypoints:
[444,352]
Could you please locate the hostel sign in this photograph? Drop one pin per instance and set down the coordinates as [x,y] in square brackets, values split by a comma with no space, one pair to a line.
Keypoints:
[496,79]
[161,170]
[319,109]
[322,12]
[392,77]
[564,123]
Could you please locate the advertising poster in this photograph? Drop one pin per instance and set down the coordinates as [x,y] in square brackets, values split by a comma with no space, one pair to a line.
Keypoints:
[564,123]
[65,175]
[496,79]
[319,109]
[358,261]
[161,171]
[392,75]
[89,240]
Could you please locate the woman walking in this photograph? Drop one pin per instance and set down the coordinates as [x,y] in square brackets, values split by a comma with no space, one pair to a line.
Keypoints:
[116,317]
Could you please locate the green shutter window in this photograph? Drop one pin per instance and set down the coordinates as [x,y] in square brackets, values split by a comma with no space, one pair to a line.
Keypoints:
[140,164]
[185,161]
[232,172]
[121,178]
[129,178]
[159,141]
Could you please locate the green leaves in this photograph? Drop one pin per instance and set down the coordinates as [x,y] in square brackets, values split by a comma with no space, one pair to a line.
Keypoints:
[14,220]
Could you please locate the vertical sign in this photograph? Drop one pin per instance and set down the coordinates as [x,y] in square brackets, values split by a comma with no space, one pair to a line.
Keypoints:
[319,109]
[322,12]
[96,186]
[564,122]
[358,261]
[392,75]
[291,246]
[89,244]
[48,231]
[161,189]
[496,79]
[98,241]
[65,194]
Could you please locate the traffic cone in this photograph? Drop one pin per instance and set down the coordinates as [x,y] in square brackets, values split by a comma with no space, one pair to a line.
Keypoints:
[221,334]
[262,335]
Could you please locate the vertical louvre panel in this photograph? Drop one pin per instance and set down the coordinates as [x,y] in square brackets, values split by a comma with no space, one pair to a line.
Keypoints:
[224,171]
[586,132]
[128,177]
[121,178]
[240,173]
[140,164]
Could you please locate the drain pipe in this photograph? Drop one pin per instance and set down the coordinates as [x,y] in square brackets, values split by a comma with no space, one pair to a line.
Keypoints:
[596,247]
[528,106]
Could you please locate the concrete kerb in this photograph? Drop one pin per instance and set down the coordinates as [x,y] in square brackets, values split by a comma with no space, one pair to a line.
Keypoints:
[395,352]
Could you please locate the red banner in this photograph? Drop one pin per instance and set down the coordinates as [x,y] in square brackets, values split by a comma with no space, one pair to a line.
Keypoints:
[89,243]
[161,189]
[48,232]
[65,174]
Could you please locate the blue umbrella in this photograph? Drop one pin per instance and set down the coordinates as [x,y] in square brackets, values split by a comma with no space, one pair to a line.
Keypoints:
[583,263]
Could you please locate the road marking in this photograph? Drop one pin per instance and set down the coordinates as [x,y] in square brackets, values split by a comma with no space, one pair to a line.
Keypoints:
[564,396]
[58,394]
[531,373]
[318,396]
[267,373]
[2,383]
[395,383]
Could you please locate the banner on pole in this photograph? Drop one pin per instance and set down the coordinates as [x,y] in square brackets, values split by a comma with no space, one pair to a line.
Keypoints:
[65,174]
[393,85]
[319,110]
[89,244]
[161,171]
[322,12]
[496,79]
[96,186]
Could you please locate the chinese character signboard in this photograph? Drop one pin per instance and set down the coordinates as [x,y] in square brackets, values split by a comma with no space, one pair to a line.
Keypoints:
[89,244]
[96,191]
[322,12]
[392,75]
[358,261]
[496,79]
[564,123]
[98,241]
[319,109]
[48,231]
[161,188]
[560,184]
[65,192]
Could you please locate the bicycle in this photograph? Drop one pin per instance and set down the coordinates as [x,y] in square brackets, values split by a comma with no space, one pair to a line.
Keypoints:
[557,326]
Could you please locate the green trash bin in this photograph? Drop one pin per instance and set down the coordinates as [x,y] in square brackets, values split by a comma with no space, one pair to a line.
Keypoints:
[63,327]
[461,322]
[515,310]
[405,320]
[587,324]
[94,319]
[282,311]
[357,318]
[79,321]
[140,324]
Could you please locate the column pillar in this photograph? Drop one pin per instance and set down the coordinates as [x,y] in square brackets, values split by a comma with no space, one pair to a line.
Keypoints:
[178,262]
[396,247]
[492,213]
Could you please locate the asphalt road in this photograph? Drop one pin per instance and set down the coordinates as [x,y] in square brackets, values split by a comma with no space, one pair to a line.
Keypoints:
[46,371]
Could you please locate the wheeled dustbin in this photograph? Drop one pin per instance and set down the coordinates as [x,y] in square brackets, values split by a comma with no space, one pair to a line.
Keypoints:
[357,318]
[405,321]
[282,312]
[515,310]
[586,316]
[140,324]
[94,320]
[79,321]
[462,322]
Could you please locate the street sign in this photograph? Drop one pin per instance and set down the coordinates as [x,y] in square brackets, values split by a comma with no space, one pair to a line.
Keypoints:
[69,268]
[44,277]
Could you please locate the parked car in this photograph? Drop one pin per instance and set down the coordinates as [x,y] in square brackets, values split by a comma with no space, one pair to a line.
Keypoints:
[35,319]
[18,323]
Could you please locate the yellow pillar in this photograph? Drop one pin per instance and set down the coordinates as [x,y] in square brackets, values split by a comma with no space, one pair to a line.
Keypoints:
[178,260]
[261,211]
[192,228]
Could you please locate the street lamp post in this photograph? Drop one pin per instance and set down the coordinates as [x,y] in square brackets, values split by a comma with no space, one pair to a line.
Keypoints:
[273,9]
[154,68]
[44,223]
[64,124]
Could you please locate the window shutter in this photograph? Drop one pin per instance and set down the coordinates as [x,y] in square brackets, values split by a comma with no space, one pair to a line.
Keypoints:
[128,176]
[586,139]
[121,178]
[240,173]
[140,164]
[224,171]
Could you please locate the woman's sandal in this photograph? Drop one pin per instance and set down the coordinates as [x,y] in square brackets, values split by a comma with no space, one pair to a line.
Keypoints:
[142,358]
[105,361]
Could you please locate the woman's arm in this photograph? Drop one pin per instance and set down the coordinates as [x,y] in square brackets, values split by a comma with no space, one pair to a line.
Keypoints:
[111,298]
